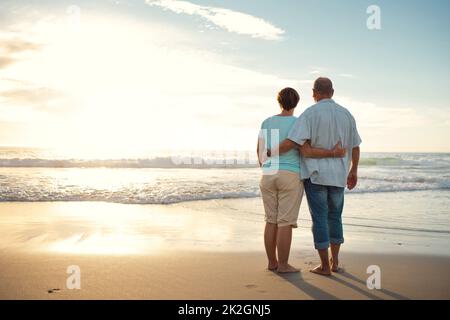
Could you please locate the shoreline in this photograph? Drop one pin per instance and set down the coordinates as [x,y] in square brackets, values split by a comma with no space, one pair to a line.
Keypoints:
[220,225]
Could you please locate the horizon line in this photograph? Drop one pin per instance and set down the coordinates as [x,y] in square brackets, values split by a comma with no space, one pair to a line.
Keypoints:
[212,150]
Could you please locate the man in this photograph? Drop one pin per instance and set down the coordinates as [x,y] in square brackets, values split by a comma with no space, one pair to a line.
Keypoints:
[323,125]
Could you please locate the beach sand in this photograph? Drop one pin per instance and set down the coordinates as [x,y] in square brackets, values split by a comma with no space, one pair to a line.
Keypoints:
[195,275]
[174,252]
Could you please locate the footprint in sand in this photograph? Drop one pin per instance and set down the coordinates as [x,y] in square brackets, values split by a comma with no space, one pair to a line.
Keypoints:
[53,290]
[253,286]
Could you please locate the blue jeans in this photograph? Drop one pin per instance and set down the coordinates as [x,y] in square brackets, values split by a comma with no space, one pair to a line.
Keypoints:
[325,205]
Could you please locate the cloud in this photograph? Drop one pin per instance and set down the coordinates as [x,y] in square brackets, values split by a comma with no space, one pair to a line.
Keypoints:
[40,97]
[372,115]
[17,45]
[399,128]
[6,61]
[232,21]
[22,100]
[346,75]
[322,71]
[13,47]
[124,82]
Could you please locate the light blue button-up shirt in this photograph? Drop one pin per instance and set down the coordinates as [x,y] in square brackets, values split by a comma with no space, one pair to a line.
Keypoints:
[325,124]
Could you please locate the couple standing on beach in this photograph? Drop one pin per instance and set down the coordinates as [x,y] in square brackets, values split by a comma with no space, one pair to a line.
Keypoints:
[297,155]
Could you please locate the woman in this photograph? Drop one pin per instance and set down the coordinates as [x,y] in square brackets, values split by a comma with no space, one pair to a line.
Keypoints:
[280,185]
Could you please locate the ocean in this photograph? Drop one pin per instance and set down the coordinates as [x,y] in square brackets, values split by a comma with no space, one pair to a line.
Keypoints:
[401,198]
[42,175]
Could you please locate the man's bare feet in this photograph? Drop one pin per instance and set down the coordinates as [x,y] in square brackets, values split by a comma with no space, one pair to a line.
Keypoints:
[334,265]
[287,269]
[321,271]
[273,265]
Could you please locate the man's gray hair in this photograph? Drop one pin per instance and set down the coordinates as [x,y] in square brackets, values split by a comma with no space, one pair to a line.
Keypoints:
[323,86]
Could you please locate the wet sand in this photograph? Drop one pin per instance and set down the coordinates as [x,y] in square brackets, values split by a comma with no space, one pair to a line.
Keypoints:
[187,251]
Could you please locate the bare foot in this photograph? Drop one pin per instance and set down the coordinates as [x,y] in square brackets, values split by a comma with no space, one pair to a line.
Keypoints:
[334,265]
[273,265]
[322,271]
[287,269]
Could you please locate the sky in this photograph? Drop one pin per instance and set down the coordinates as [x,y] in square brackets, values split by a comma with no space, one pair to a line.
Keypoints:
[135,75]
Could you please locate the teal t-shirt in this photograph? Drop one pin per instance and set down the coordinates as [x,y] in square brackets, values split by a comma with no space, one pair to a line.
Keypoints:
[274,131]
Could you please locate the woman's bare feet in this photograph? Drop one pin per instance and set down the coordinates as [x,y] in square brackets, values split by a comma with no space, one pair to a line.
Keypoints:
[334,265]
[323,271]
[287,269]
[273,265]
